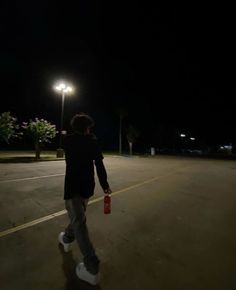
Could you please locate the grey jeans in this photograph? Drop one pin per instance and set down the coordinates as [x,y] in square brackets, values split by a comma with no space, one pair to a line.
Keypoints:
[77,229]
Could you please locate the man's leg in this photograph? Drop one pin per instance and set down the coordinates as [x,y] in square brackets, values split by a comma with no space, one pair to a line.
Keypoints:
[69,236]
[76,208]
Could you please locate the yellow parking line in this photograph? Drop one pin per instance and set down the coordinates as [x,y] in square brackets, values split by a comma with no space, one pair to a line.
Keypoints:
[30,224]
[29,178]
[59,213]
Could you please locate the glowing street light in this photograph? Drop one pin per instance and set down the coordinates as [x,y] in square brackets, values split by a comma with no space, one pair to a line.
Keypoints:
[64,90]
[192,138]
[182,145]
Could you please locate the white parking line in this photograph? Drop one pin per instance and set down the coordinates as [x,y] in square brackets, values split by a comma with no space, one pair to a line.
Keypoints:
[30,178]
[62,212]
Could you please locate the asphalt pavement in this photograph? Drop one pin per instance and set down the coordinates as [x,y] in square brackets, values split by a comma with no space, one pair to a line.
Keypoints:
[172,226]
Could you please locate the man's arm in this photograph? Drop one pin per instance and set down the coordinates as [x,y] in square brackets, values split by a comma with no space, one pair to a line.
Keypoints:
[102,175]
[100,168]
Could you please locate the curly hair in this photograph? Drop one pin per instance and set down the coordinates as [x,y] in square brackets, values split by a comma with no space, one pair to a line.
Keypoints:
[81,122]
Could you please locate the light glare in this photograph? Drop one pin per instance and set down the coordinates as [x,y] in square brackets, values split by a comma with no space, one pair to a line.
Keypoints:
[62,87]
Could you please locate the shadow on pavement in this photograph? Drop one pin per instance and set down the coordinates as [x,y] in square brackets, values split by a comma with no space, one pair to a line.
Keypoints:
[68,266]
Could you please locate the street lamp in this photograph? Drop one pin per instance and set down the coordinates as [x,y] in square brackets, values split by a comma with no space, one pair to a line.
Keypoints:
[182,141]
[64,90]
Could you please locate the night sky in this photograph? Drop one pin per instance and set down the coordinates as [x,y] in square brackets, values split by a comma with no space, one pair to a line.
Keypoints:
[171,68]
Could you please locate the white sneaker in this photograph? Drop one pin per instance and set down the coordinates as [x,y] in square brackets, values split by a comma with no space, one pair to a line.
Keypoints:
[67,246]
[84,275]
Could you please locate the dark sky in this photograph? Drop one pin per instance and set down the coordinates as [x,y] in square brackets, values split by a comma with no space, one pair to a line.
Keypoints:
[172,68]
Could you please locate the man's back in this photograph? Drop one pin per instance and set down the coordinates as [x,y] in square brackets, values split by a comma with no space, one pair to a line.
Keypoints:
[80,152]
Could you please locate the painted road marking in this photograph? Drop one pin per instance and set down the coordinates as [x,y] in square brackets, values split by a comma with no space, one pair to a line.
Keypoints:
[62,212]
[30,178]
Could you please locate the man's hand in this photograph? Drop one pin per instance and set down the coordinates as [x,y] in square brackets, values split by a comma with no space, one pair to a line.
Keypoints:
[108,191]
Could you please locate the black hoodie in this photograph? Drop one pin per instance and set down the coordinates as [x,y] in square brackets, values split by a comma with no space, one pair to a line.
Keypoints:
[81,153]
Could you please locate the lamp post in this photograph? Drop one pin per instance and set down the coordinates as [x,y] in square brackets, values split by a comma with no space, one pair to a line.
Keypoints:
[64,90]
[122,115]
[182,142]
[120,136]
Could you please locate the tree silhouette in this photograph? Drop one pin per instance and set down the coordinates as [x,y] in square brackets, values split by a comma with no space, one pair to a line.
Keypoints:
[132,135]
[8,127]
[41,131]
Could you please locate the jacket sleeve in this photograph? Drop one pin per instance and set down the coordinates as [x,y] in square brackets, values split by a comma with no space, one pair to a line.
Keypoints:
[101,172]
[100,168]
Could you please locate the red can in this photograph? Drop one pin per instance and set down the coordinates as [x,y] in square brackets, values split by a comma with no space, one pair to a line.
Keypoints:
[107,204]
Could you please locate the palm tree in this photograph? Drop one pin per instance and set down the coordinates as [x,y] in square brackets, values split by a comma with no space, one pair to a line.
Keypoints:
[132,135]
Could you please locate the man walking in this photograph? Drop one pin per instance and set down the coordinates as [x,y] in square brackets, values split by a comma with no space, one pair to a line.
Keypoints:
[81,153]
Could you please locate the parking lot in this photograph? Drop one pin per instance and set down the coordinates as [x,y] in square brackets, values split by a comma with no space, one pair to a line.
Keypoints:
[172,226]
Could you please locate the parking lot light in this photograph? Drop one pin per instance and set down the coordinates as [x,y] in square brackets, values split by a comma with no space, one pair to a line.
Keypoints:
[64,90]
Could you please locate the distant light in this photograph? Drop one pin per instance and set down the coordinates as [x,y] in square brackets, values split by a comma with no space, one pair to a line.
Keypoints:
[228,147]
[192,138]
[182,135]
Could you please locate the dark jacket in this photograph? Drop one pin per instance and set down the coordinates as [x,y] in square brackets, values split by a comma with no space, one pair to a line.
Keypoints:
[81,153]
